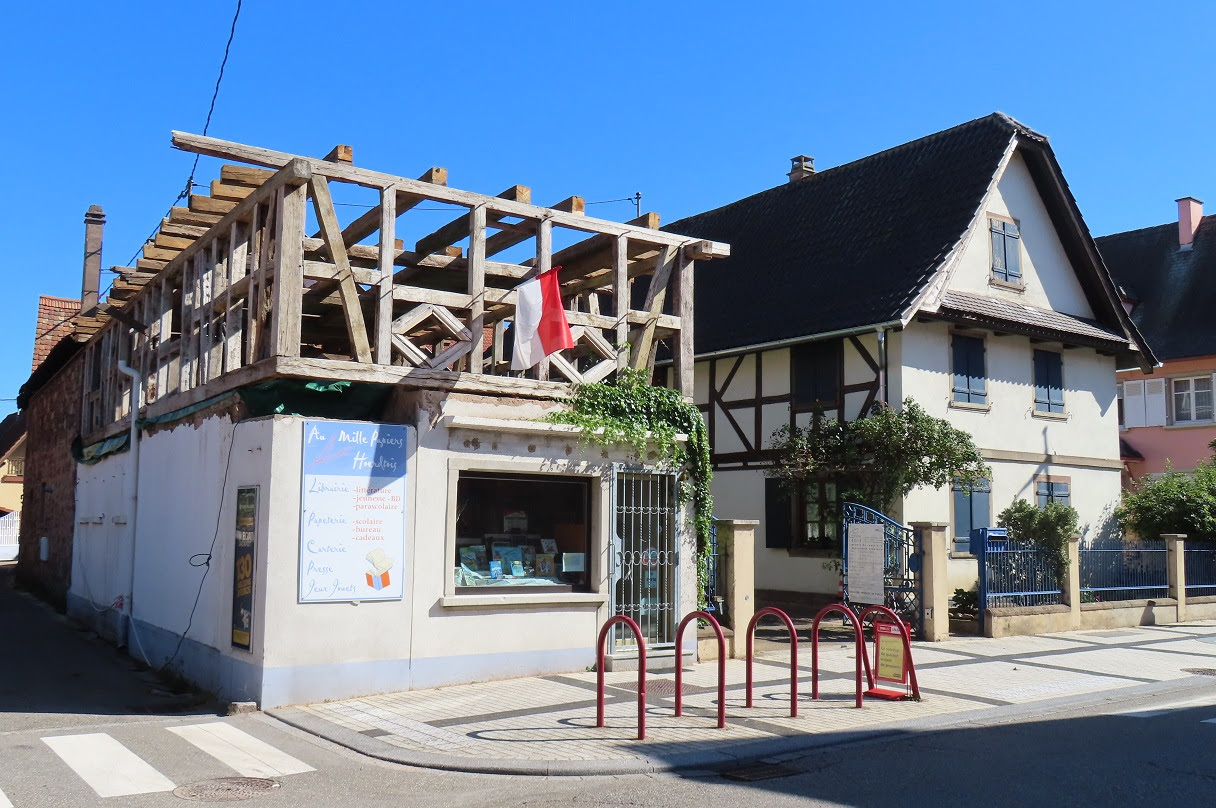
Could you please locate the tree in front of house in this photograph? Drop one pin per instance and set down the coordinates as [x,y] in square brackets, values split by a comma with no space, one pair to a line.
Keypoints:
[878,459]
[1175,502]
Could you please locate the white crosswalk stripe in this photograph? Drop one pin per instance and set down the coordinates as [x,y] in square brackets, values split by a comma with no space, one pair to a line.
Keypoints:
[1209,721]
[241,751]
[110,769]
[4,803]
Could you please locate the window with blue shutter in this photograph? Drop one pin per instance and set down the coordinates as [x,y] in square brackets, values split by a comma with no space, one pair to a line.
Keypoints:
[970,385]
[1046,491]
[972,509]
[1048,382]
[1006,251]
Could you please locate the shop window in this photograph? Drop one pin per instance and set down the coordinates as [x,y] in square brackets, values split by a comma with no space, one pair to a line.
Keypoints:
[972,509]
[522,530]
[816,371]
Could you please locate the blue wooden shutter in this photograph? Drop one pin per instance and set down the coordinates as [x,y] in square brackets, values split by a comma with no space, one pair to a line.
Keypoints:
[778,512]
[969,381]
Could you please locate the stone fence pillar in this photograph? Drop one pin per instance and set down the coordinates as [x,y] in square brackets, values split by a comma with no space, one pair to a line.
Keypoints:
[935,578]
[1072,583]
[737,546]
[1175,565]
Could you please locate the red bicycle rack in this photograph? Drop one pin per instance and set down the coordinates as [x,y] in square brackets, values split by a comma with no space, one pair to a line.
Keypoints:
[721,665]
[862,656]
[751,636]
[884,693]
[599,667]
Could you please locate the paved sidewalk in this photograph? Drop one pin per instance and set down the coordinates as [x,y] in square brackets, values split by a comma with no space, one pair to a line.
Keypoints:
[546,725]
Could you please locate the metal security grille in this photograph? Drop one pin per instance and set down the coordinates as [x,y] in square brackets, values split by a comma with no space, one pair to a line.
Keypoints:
[645,555]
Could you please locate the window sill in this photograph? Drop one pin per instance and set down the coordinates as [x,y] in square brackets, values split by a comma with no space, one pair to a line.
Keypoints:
[967,405]
[809,552]
[1007,286]
[1191,425]
[524,599]
[1050,416]
[963,556]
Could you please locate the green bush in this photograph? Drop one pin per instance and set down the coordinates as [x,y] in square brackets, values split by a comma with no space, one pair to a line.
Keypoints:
[1175,502]
[1050,528]
[966,603]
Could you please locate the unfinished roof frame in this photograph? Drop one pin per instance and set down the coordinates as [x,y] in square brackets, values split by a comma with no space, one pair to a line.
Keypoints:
[252,296]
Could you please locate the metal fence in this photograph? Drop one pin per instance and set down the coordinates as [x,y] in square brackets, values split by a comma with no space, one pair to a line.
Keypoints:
[1199,563]
[1019,573]
[10,527]
[1124,571]
[713,593]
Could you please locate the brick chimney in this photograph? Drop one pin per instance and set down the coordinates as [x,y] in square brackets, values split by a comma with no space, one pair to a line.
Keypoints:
[801,167]
[1190,211]
[94,223]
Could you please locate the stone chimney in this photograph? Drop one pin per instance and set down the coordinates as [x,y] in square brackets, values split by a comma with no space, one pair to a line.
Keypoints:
[801,167]
[1190,211]
[94,223]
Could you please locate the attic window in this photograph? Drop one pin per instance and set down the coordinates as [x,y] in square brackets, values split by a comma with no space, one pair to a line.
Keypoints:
[1006,258]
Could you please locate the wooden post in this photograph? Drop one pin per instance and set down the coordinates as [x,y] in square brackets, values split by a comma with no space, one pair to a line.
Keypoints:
[544,262]
[384,305]
[641,343]
[323,206]
[684,340]
[289,270]
[935,578]
[620,292]
[477,286]
[234,323]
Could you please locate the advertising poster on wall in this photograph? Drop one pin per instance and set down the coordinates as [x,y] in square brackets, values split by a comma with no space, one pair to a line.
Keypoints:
[352,520]
[242,566]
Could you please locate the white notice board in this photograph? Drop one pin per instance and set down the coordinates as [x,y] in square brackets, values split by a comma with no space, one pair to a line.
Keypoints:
[865,563]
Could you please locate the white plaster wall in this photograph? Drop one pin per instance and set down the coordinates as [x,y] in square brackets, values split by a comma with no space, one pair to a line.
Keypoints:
[1091,429]
[1047,274]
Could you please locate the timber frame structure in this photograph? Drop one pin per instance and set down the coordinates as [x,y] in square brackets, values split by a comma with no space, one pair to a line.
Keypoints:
[234,290]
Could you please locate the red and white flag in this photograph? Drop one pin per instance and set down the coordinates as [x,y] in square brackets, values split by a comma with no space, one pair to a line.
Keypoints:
[540,321]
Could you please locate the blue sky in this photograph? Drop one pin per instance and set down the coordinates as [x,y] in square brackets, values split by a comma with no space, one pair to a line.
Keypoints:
[693,105]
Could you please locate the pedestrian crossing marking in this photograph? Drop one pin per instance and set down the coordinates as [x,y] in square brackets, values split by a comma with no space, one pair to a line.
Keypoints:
[1209,721]
[110,769]
[241,751]
[4,803]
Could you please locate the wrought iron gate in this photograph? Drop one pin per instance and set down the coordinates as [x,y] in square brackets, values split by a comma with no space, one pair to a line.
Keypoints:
[902,559]
[644,556]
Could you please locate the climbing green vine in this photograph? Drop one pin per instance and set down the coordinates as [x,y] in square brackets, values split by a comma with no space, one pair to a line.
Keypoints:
[631,411]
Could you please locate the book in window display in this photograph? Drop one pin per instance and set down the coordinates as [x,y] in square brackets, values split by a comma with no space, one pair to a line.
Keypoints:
[544,566]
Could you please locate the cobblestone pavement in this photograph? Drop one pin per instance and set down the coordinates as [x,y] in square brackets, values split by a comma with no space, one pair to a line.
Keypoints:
[547,725]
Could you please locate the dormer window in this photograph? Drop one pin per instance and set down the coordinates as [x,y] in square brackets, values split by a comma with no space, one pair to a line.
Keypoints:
[1006,247]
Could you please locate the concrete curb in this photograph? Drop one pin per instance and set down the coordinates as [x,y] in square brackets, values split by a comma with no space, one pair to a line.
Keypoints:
[769,750]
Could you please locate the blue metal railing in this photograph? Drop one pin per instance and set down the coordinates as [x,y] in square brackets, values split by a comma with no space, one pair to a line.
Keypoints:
[1019,573]
[715,578]
[901,563]
[1199,563]
[1117,571]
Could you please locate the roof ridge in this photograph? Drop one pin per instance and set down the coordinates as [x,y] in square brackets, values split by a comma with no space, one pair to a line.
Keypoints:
[1151,227]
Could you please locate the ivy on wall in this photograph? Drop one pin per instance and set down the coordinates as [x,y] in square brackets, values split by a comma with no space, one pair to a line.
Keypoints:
[630,411]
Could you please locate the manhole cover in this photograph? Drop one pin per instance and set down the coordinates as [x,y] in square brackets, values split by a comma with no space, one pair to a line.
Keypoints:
[658,687]
[766,771]
[1200,671]
[225,789]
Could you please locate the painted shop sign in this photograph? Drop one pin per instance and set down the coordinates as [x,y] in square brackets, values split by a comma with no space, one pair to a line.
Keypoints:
[244,553]
[352,521]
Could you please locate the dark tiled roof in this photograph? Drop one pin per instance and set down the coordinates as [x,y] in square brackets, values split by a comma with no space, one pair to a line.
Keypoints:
[1175,290]
[994,310]
[1128,452]
[12,428]
[845,248]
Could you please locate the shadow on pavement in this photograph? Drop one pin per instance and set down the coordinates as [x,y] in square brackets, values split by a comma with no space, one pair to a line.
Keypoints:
[51,666]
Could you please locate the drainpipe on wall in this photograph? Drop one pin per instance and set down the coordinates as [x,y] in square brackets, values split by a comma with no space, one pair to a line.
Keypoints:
[136,386]
[882,365]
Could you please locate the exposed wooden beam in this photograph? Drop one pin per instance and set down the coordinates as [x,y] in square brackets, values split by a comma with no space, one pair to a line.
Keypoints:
[367,223]
[205,204]
[235,193]
[340,154]
[519,234]
[244,175]
[458,228]
[192,217]
[323,206]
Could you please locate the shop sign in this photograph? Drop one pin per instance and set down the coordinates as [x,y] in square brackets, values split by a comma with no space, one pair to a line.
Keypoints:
[864,566]
[352,521]
[243,556]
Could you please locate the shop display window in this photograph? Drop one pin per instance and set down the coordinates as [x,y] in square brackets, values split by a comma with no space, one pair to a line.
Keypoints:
[522,530]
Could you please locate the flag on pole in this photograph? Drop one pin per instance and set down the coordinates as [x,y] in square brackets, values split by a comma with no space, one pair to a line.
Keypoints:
[540,321]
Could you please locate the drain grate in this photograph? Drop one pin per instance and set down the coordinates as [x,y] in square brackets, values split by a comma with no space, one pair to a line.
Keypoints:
[225,789]
[764,771]
[1200,671]
[657,687]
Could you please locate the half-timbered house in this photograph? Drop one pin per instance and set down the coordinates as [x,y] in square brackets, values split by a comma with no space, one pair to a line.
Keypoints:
[309,470]
[954,270]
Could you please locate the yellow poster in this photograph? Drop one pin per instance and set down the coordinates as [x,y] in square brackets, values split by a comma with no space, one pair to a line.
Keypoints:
[890,653]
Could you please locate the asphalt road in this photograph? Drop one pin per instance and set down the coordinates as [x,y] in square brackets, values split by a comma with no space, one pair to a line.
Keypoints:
[109,725]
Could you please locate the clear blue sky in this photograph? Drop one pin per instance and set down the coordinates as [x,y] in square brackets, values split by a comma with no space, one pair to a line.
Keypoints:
[694,105]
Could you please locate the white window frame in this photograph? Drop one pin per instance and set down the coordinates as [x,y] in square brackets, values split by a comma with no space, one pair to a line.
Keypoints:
[1191,414]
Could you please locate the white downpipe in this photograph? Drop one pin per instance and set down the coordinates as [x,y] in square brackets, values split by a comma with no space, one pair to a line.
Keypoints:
[136,386]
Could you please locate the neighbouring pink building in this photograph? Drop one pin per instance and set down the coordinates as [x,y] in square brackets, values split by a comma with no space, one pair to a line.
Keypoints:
[1167,275]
